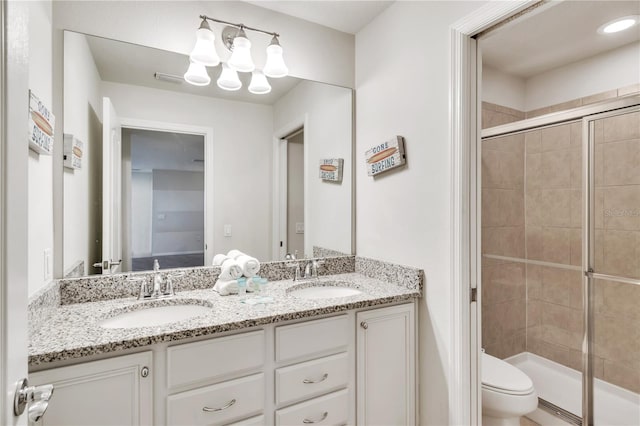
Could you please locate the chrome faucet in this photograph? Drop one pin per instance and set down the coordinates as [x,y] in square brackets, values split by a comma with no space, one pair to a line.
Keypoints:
[310,270]
[157,290]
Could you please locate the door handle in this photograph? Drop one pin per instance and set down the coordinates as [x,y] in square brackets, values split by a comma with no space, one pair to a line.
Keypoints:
[36,397]
[106,264]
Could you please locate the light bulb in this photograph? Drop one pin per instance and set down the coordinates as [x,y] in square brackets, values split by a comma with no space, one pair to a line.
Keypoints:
[197,75]
[204,51]
[275,66]
[241,56]
[259,84]
[619,24]
[228,79]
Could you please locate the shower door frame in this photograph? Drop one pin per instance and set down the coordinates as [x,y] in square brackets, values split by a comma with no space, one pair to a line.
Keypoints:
[588,114]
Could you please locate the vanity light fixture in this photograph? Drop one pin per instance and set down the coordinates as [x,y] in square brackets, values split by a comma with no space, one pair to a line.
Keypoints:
[197,75]
[235,39]
[169,78]
[619,24]
[259,84]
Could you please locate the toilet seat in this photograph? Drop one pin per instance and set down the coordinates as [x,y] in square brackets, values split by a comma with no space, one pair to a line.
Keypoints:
[500,376]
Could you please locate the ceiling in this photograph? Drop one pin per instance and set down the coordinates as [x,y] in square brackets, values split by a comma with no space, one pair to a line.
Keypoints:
[346,16]
[530,45]
[128,63]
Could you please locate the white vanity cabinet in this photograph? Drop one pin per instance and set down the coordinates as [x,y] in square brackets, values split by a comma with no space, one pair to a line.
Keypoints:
[355,367]
[116,391]
[386,366]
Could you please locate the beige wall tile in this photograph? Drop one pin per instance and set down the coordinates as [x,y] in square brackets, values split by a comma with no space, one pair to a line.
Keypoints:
[533,207]
[621,127]
[576,134]
[617,339]
[556,207]
[622,207]
[534,281]
[554,108]
[623,376]
[510,143]
[503,241]
[533,171]
[555,286]
[556,137]
[619,300]
[556,169]
[561,337]
[502,169]
[621,255]
[599,165]
[621,162]
[534,242]
[534,313]
[502,207]
[599,97]
[577,208]
[628,90]
[599,208]
[533,141]
[556,245]
[503,282]
[576,168]
[576,247]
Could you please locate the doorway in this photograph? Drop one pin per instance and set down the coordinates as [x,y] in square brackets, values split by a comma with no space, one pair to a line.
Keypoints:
[163,199]
[295,193]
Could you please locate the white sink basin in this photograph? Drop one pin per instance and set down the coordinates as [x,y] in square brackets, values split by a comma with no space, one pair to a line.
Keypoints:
[155,315]
[324,291]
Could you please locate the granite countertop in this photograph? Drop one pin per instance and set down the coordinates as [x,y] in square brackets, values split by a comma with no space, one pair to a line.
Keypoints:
[73,331]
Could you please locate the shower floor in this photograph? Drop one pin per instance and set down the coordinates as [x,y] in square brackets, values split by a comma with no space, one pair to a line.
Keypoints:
[562,386]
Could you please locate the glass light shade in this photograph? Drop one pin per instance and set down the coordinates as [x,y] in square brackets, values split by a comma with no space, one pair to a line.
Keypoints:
[259,84]
[197,75]
[204,51]
[241,57]
[228,79]
[275,66]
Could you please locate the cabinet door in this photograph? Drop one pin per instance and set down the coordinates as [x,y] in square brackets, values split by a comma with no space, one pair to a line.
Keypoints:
[386,366]
[106,392]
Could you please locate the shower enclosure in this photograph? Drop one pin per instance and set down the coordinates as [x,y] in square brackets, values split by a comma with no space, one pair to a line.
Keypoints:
[561,257]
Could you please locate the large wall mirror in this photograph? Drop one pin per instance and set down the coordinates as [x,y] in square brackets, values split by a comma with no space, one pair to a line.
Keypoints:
[156,168]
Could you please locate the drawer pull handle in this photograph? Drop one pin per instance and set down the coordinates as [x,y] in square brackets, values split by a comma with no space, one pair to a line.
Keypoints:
[364,325]
[224,407]
[309,381]
[324,416]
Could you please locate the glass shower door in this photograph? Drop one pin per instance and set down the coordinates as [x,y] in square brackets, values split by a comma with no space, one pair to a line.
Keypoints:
[613,263]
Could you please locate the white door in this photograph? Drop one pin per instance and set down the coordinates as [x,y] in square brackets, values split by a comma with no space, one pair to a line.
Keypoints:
[14,104]
[111,189]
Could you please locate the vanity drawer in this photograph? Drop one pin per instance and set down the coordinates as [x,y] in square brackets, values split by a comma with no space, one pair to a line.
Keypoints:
[227,401]
[253,421]
[332,409]
[210,359]
[311,337]
[311,378]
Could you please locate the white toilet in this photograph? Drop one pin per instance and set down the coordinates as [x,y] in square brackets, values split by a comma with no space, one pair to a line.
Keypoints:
[507,393]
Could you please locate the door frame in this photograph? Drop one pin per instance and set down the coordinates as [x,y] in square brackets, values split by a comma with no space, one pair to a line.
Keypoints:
[14,294]
[207,133]
[465,405]
[279,177]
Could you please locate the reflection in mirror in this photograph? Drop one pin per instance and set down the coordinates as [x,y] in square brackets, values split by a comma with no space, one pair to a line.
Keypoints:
[170,171]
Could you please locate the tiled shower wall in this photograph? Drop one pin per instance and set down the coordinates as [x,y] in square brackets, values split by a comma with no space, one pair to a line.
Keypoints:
[532,210]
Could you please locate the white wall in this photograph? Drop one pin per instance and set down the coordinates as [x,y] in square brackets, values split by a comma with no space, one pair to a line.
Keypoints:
[82,112]
[608,71]
[171,25]
[242,134]
[503,89]
[404,216]
[611,70]
[327,134]
[40,197]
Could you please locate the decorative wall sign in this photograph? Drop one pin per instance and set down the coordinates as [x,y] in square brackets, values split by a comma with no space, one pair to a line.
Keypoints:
[41,126]
[385,156]
[331,169]
[73,150]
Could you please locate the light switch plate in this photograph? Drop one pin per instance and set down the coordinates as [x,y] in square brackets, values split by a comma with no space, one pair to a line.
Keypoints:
[47,264]
[227,230]
[299,227]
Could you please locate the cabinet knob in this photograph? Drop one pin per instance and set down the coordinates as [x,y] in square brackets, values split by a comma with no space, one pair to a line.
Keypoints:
[144,372]
[364,325]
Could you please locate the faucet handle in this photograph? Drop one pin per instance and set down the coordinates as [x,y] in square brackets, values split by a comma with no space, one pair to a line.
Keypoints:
[144,291]
[169,290]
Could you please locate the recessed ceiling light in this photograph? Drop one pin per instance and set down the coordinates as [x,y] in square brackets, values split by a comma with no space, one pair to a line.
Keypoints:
[619,24]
